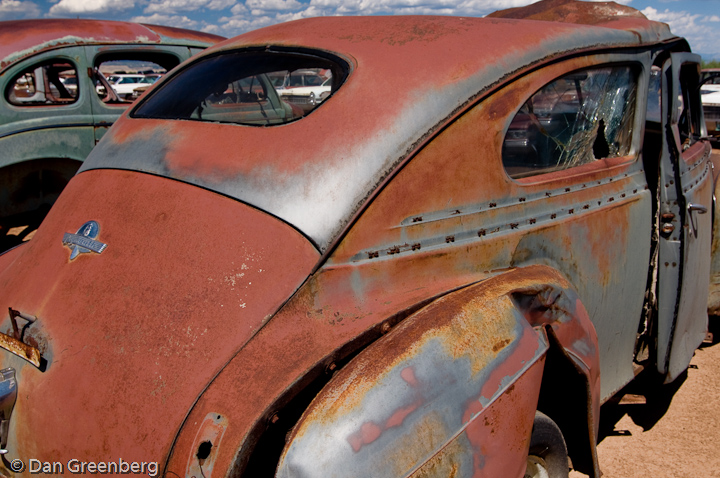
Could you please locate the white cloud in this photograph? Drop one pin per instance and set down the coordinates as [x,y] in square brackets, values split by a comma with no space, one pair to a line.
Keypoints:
[15,9]
[167,20]
[701,39]
[238,9]
[174,6]
[273,5]
[415,7]
[220,4]
[74,7]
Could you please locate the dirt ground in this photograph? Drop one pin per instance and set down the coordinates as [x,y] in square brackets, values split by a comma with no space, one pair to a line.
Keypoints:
[675,433]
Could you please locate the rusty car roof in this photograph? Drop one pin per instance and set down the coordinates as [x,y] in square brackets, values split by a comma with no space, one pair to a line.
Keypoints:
[410,74]
[22,38]
[626,26]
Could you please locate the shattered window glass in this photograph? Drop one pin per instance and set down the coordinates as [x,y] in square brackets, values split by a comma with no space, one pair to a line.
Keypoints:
[247,87]
[579,118]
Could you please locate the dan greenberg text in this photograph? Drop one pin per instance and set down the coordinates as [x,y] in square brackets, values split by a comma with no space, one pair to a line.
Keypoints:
[77,467]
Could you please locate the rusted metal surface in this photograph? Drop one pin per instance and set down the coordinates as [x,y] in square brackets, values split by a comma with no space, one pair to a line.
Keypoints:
[180,288]
[207,441]
[24,351]
[606,14]
[23,38]
[327,313]
[413,392]
[399,275]
[398,113]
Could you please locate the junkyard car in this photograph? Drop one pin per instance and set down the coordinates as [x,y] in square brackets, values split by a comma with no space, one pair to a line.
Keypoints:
[305,88]
[230,287]
[126,84]
[55,105]
[710,97]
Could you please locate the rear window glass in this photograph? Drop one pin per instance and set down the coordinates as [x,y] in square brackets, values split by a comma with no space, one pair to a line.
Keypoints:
[246,87]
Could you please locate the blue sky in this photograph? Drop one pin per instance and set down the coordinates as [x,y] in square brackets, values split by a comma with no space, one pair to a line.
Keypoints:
[696,20]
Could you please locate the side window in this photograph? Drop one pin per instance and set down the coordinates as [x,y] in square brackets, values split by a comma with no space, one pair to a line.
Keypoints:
[689,111]
[121,77]
[52,82]
[574,120]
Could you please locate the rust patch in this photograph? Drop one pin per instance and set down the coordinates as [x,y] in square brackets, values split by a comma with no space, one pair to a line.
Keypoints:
[570,11]
[24,351]
[501,345]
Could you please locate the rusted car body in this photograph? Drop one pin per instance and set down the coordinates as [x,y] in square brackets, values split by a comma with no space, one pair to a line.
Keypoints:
[379,286]
[51,115]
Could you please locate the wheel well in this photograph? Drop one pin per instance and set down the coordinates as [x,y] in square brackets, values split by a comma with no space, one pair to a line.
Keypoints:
[565,397]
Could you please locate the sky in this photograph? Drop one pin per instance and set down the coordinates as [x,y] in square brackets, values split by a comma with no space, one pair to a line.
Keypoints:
[696,20]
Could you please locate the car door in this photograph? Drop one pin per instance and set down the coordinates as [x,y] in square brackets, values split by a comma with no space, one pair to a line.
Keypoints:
[685,189]
[45,128]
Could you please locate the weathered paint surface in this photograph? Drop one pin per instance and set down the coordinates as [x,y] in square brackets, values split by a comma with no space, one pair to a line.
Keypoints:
[375,124]
[411,393]
[328,313]
[607,14]
[134,334]
[165,336]
[22,38]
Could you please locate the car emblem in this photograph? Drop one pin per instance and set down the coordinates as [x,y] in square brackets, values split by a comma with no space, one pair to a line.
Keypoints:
[84,240]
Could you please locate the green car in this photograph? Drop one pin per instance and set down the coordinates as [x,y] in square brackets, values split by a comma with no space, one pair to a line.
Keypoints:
[57,102]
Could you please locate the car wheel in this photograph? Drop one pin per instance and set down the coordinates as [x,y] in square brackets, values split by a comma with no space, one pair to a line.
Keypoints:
[547,457]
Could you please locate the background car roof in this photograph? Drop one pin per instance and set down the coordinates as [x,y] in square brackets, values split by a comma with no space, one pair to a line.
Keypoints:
[23,38]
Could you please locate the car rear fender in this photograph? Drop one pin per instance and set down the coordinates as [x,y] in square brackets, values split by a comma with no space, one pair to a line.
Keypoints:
[454,386]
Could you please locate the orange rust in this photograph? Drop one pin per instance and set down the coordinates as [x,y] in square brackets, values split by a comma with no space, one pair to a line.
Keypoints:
[444,463]
[570,11]
[425,436]
[512,413]
[22,350]
[226,280]
[501,345]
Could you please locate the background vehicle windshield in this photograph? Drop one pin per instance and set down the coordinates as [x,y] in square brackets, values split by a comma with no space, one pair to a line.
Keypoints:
[245,88]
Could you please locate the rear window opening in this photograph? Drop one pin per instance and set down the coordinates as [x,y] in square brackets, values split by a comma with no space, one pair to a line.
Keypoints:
[247,87]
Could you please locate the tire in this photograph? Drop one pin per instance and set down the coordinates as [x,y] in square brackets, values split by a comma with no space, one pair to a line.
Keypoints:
[547,456]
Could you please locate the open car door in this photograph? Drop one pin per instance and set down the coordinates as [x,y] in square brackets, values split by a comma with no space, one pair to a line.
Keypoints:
[685,187]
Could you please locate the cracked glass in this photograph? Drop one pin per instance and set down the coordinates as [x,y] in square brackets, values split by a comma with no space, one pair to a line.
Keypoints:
[577,119]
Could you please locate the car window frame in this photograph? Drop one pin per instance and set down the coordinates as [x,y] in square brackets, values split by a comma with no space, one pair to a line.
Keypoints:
[540,77]
[36,61]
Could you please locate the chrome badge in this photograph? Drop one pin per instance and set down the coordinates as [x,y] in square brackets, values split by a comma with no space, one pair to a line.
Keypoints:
[84,240]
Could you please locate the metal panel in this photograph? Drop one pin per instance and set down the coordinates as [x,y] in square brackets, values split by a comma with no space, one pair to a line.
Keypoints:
[131,336]
[413,392]
[686,188]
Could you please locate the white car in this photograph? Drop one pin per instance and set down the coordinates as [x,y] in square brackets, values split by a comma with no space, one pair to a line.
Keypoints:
[125,84]
[710,97]
[305,87]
